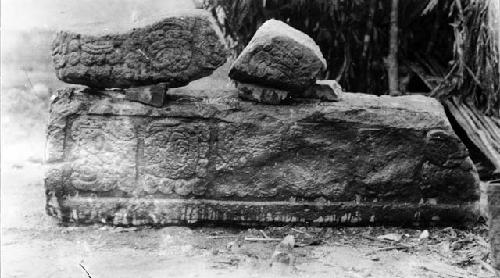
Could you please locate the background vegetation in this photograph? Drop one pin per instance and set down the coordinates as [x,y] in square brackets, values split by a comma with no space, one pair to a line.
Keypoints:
[446,47]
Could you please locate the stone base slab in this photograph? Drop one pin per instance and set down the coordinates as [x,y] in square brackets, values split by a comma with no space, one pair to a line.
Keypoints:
[162,212]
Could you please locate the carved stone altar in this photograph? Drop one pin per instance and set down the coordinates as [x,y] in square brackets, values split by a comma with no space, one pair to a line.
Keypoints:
[200,158]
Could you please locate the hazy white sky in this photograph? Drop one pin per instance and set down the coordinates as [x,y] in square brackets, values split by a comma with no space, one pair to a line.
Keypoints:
[71,14]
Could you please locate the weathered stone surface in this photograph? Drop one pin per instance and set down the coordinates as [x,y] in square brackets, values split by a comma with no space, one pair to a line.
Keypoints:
[280,57]
[152,95]
[365,160]
[261,94]
[175,50]
[325,90]
[494,223]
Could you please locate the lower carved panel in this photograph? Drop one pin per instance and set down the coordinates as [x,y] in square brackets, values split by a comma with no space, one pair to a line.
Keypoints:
[125,211]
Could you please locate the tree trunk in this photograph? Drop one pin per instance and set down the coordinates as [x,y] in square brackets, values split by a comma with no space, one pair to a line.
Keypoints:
[366,46]
[392,59]
[369,27]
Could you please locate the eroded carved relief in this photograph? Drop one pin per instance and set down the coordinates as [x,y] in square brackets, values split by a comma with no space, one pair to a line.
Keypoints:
[130,157]
[176,50]
[102,153]
[175,157]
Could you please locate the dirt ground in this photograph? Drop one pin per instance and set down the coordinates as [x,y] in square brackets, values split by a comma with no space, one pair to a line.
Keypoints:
[34,245]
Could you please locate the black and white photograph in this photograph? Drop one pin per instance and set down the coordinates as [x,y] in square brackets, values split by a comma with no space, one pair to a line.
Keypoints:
[250,138]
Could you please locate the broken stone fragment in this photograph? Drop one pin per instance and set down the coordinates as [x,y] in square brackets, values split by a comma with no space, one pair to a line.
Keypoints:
[151,95]
[174,50]
[325,90]
[281,57]
[261,94]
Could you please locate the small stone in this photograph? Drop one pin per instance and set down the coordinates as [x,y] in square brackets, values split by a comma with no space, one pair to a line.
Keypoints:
[324,90]
[288,242]
[261,94]
[151,95]
[281,57]
[424,235]
[375,258]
